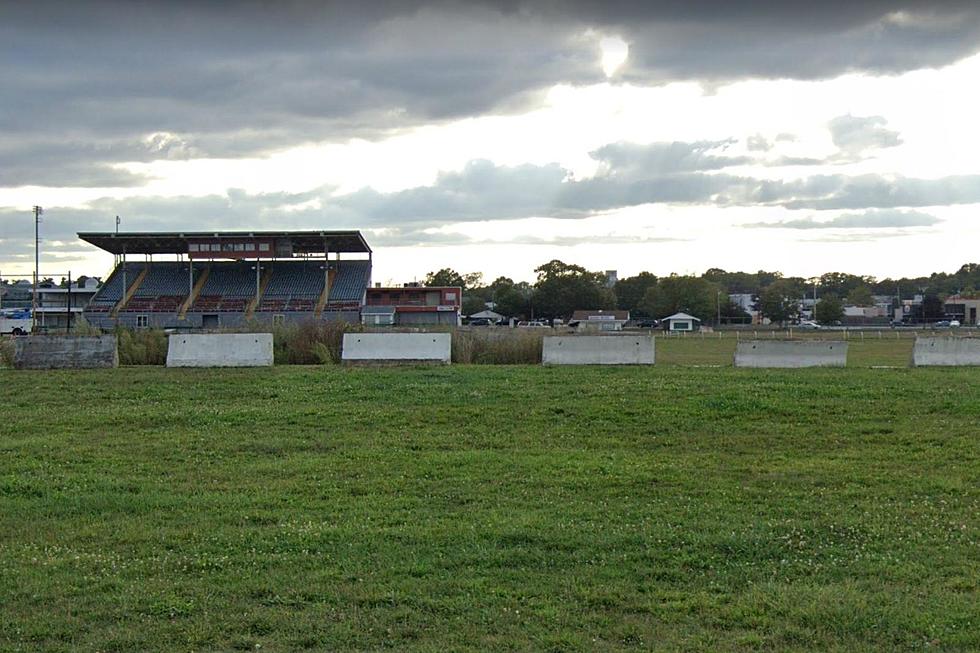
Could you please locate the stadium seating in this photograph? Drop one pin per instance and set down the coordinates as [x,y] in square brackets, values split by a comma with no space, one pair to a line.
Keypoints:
[163,289]
[112,290]
[229,288]
[292,286]
[351,281]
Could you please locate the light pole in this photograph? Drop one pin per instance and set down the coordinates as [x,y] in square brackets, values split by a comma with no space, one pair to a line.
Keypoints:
[37,264]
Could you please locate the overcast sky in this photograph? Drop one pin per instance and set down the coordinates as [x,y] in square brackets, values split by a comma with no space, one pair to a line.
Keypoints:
[664,136]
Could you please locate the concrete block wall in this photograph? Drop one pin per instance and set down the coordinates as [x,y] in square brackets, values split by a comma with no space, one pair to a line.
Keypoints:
[65,352]
[946,351]
[598,350]
[791,353]
[220,350]
[397,347]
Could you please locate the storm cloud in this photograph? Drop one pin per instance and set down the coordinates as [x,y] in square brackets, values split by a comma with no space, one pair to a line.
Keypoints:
[87,85]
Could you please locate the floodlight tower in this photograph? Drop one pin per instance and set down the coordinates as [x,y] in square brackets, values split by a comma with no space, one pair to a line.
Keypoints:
[37,260]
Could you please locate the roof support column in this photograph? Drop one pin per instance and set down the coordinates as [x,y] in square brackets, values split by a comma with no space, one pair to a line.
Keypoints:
[125,285]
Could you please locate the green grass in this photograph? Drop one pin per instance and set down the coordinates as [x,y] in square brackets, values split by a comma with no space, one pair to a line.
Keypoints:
[873,349]
[490,508]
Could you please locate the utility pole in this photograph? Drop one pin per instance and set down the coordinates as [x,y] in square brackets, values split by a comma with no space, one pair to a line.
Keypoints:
[37,264]
[68,304]
[115,258]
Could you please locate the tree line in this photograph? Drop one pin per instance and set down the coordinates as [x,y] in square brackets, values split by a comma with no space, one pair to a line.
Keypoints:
[561,288]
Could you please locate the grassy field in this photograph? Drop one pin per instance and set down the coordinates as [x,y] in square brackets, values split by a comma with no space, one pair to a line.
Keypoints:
[873,349]
[490,508]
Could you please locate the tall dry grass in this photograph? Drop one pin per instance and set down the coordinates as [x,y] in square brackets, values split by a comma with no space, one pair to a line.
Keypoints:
[142,347]
[309,343]
[497,346]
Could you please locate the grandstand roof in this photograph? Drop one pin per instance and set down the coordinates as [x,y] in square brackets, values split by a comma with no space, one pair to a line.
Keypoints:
[303,242]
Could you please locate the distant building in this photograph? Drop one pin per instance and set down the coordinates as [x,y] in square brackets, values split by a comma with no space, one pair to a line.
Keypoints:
[599,320]
[412,305]
[681,322]
[56,304]
[964,308]
[611,278]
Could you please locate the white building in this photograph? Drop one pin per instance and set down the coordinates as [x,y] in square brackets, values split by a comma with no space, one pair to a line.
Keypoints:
[55,303]
[681,322]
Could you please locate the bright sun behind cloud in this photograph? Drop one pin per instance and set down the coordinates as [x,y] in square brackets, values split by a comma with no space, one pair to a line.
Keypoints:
[614,53]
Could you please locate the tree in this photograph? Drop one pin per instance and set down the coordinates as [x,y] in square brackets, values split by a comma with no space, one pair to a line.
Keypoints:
[829,309]
[515,300]
[933,307]
[675,294]
[630,291]
[732,313]
[563,288]
[450,277]
[779,301]
[860,296]
[473,304]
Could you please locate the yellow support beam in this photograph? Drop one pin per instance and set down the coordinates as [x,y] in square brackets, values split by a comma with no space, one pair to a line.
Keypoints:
[133,287]
[201,280]
[254,303]
[321,303]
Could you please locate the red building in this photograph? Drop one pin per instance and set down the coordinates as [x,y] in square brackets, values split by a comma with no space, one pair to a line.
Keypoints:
[411,305]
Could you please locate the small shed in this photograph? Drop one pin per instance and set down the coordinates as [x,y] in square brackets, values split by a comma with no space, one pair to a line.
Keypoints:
[681,322]
[599,320]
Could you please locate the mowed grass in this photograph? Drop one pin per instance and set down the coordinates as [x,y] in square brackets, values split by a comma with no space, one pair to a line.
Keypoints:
[490,508]
[872,349]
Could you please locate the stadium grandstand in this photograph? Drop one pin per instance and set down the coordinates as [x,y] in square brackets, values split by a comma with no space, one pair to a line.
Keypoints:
[223,279]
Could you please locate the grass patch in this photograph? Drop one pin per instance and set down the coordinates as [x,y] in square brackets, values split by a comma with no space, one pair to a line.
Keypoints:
[490,508]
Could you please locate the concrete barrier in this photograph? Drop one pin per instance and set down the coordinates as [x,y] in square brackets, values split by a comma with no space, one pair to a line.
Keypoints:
[65,352]
[791,353]
[220,350]
[397,348]
[598,350]
[946,351]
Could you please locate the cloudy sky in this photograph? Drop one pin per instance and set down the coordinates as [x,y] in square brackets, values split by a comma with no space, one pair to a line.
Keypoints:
[664,136]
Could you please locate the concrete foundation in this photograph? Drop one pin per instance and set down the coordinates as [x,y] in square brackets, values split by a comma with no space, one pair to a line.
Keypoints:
[791,353]
[946,351]
[598,350]
[397,347]
[65,352]
[220,350]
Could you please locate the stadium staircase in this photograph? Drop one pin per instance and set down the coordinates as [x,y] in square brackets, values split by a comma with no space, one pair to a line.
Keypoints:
[130,292]
[324,296]
[253,304]
[201,280]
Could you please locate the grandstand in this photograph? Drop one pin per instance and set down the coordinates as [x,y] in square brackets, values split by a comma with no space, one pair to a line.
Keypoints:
[224,279]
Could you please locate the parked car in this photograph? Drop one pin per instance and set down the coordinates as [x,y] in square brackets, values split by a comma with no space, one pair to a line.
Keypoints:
[808,324]
[533,324]
[480,321]
[942,324]
[954,323]
[648,324]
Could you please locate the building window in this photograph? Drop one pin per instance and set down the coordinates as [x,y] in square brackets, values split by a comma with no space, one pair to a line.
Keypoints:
[239,247]
[215,247]
[249,247]
[263,247]
[193,247]
[278,319]
[450,296]
[142,321]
